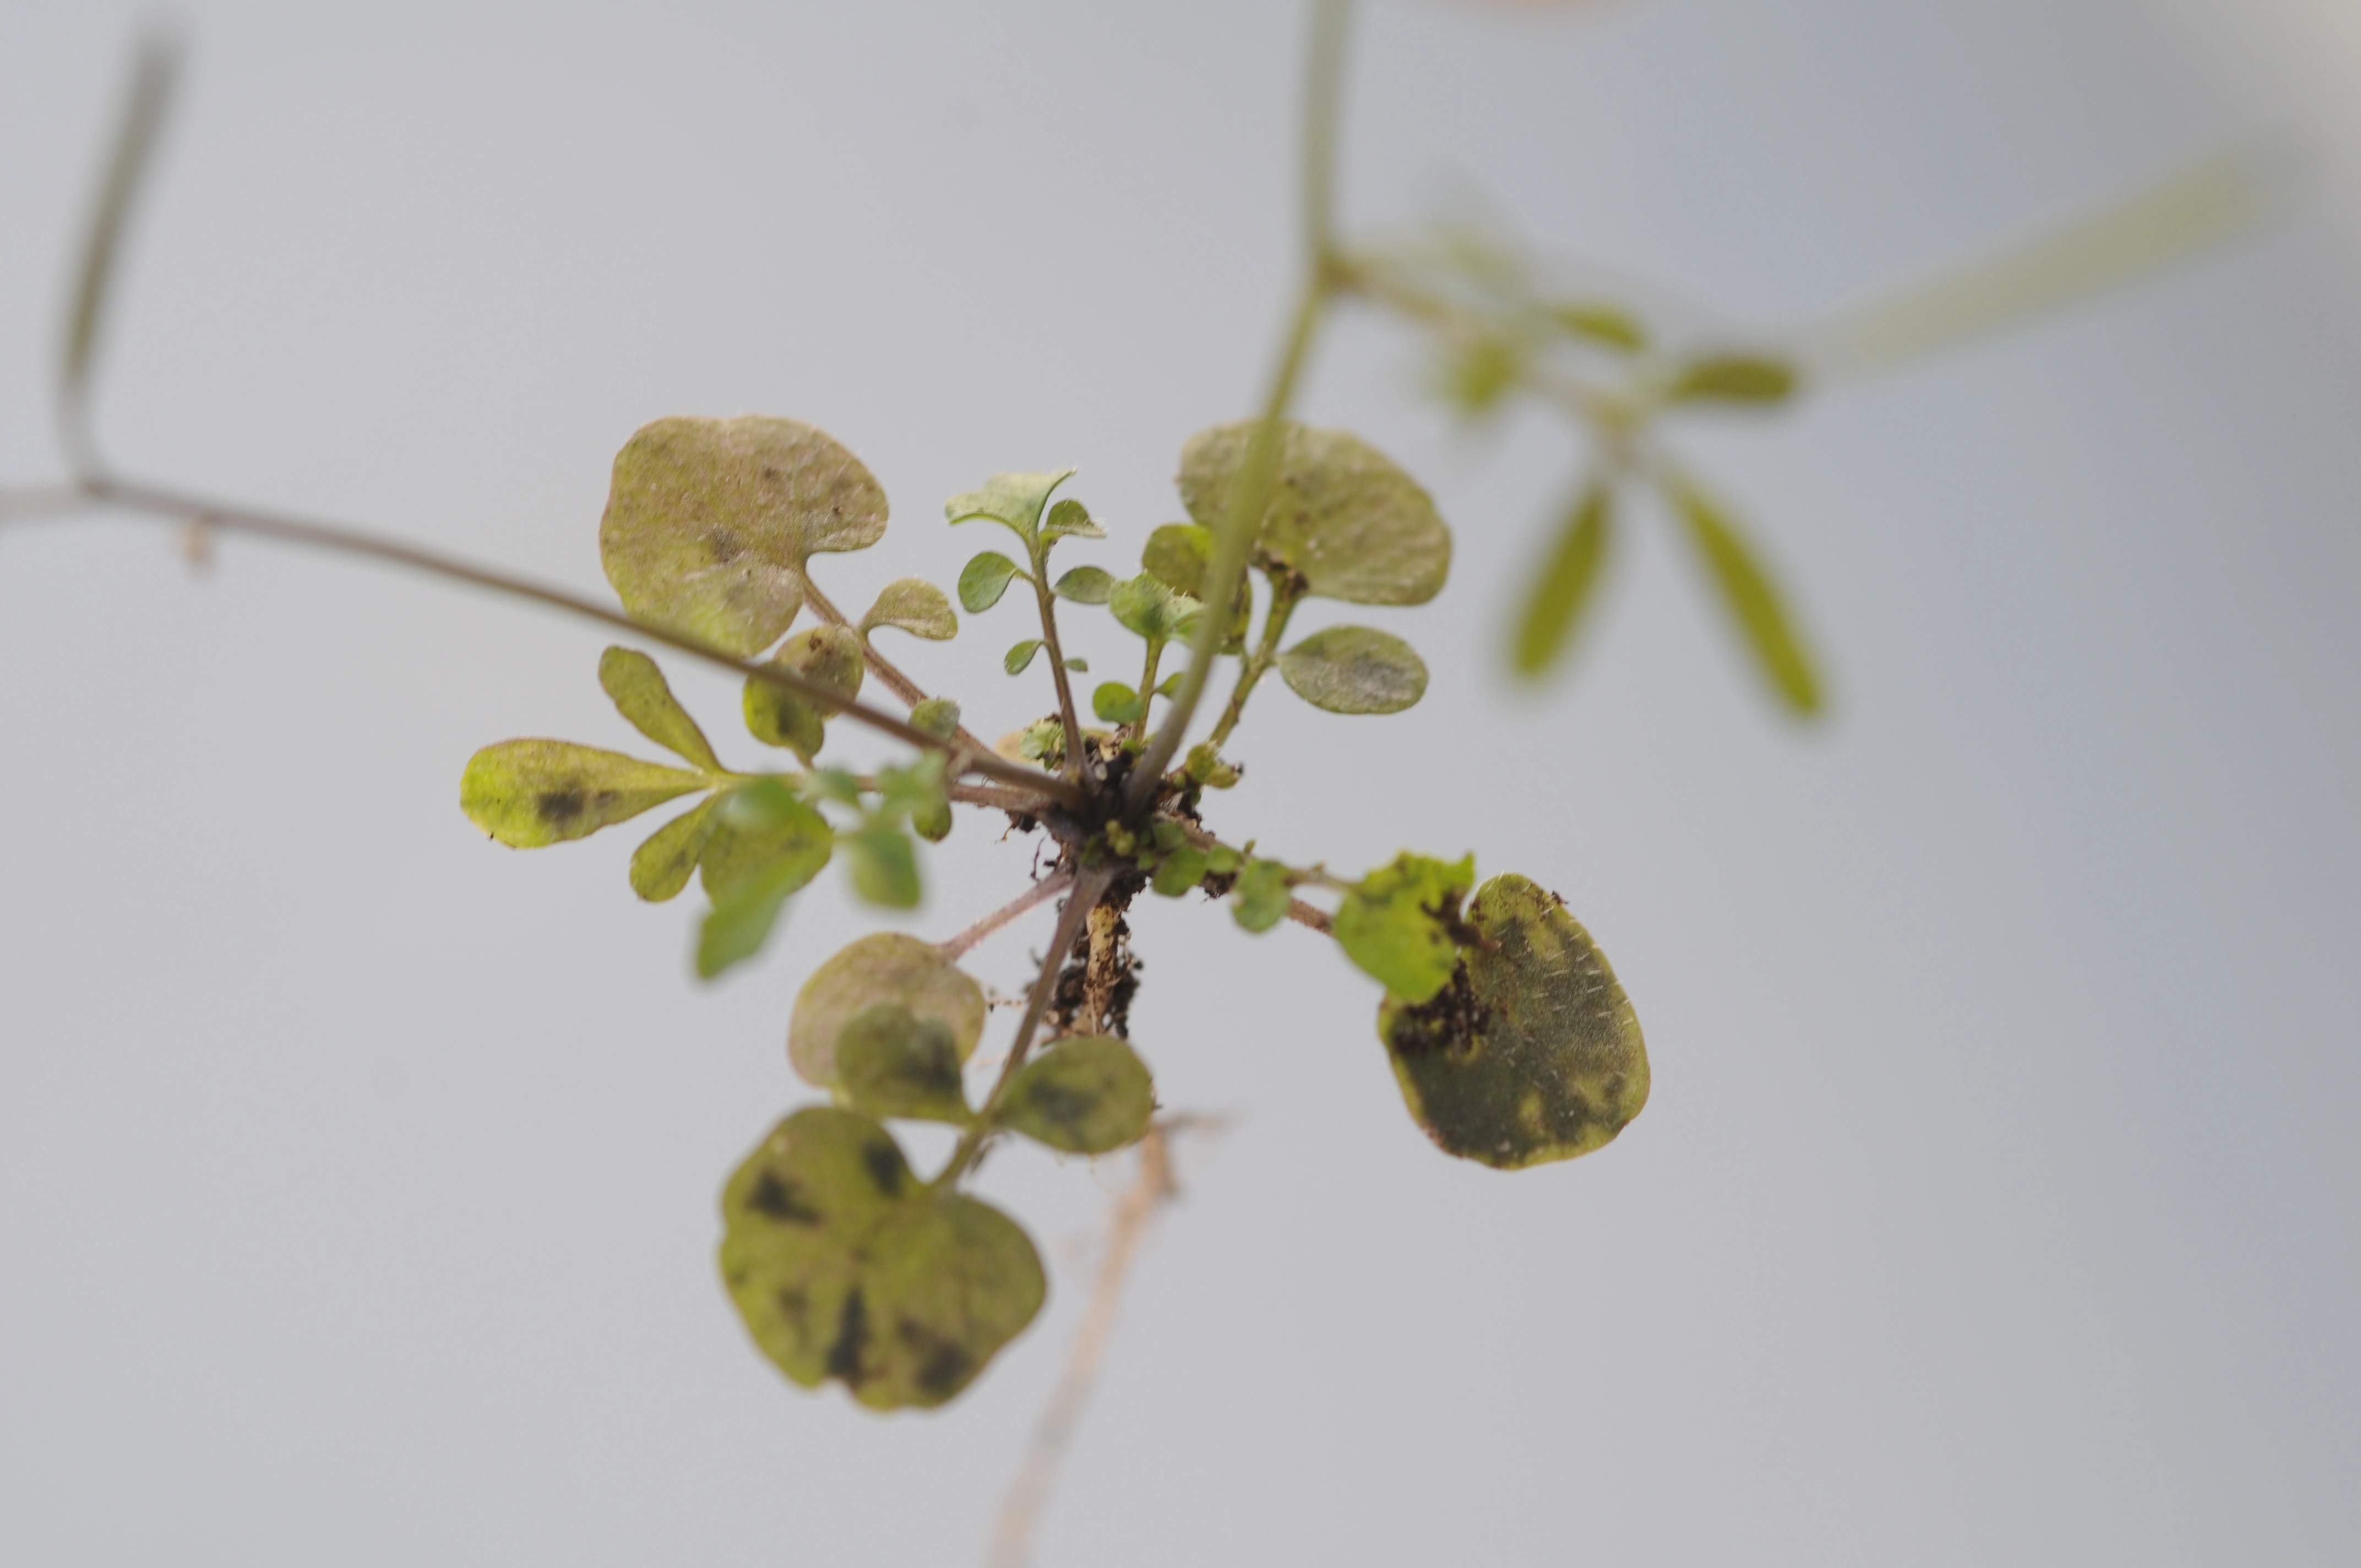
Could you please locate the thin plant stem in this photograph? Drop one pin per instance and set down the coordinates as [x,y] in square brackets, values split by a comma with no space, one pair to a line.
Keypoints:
[1266,653]
[1033,898]
[1135,1211]
[1250,487]
[1047,600]
[1090,886]
[229,519]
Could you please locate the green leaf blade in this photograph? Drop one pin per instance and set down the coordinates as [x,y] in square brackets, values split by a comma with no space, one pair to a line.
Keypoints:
[1116,703]
[891,1062]
[1734,378]
[636,686]
[844,1268]
[1400,923]
[915,606]
[1532,1054]
[984,579]
[1086,1094]
[1354,670]
[1751,597]
[1084,584]
[1020,657]
[1342,517]
[1564,589]
[884,967]
[665,862]
[1013,500]
[711,522]
[531,794]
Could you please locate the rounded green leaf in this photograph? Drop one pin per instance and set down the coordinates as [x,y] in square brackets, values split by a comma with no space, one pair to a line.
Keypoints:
[938,715]
[886,966]
[915,606]
[830,654]
[1146,608]
[1013,500]
[765,830]
[982,580]
[1533,1053]
[638,691]
[1018,658]
[1342,517]
[1084,584]
[1177,554]
[662,865]
[766,845]
[1116,703]
[1401,922]
[1262,896]
[884,867]
[711,522]
[1355,669]
[1180,871]
[891,1062]
[1070,520]
[844,1266]
[529,793]
[1086,1094]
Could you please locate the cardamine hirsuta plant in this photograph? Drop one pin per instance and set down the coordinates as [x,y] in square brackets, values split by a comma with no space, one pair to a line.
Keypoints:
[1507,1031]
[1502,1023]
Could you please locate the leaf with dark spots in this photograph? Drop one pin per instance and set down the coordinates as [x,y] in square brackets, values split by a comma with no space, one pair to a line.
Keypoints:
[844,1266]
[1087,1094]
[711,522]
[1532,1052]
[531,794]
[884,967]
[1342,517]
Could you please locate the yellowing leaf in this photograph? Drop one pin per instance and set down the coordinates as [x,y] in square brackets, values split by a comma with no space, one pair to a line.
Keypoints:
[1343,516]
[1401,922]
[711,522]
[638,691]
[1355,669]
[882,966]
[529,793]
[1533,1053]
[844,1266]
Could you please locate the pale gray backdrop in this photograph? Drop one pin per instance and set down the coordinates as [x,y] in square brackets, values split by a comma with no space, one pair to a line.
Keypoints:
[1996,1203]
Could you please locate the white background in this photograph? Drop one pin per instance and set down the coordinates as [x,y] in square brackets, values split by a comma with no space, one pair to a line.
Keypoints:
[1996,1200]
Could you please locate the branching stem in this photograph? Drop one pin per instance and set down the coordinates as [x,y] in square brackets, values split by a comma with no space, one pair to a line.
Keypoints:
[899,684]
[1274,627]
[1048,601]
[1090,886]
[229,519]
[1033,898]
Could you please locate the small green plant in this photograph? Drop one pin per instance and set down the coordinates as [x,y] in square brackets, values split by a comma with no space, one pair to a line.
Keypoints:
[1507,1033]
